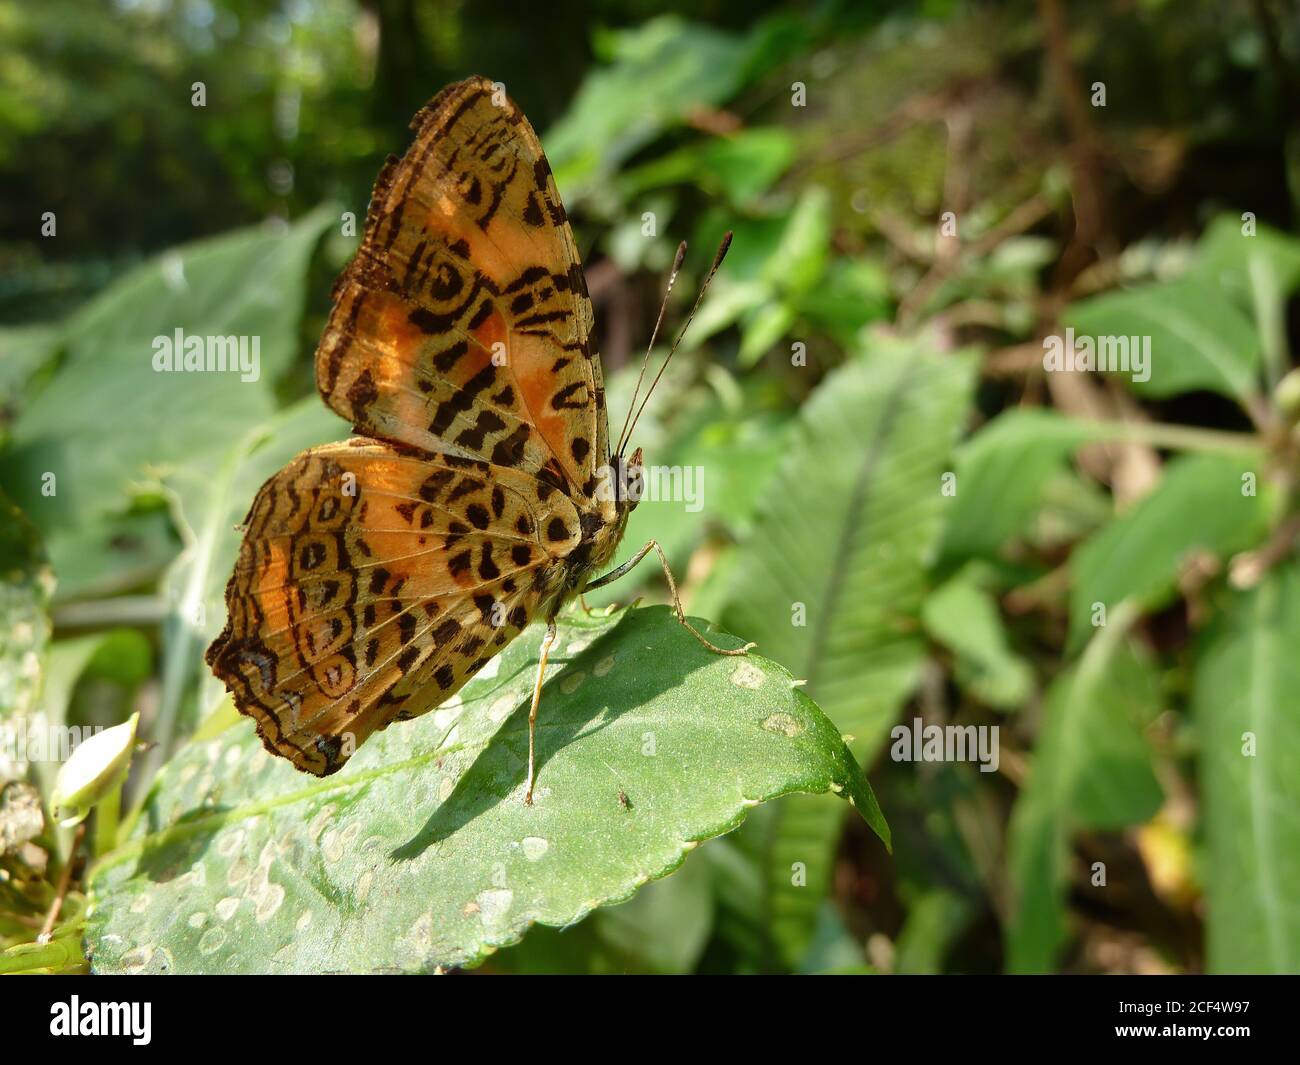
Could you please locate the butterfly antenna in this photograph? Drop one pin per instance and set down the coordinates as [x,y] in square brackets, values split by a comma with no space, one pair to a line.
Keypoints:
[717,261]
[672,278]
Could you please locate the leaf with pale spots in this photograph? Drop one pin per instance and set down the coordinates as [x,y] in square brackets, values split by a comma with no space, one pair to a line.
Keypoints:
[421,853]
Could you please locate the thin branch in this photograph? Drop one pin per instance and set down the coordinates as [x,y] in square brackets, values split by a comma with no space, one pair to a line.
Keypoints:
[65,879]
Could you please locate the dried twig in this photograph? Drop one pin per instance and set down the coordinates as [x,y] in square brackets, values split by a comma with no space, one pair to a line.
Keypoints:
[65,879]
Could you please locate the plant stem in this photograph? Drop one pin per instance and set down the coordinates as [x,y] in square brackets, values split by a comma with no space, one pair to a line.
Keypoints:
[65,878]
[105,613]
[1180,437]
[106,819]
[57,954]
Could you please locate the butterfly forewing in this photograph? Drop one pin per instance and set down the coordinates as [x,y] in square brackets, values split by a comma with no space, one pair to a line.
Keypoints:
[463,324]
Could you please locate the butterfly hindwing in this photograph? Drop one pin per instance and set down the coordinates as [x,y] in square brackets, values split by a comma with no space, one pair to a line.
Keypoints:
[372,583]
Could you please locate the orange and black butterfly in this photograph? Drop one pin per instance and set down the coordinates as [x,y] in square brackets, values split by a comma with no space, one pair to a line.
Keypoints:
[480,492]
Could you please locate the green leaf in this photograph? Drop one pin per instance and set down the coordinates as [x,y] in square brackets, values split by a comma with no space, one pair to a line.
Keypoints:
[854,293]
[934,919]
[1073,507]
[790,850]
[833,577]
[741,167]
[724,460]
[1227,257]
[754,243]
[112,554]
[729,299]
[841,542]
[1198,505]
[834,948]
[1091,769]
[964,617]
[659,73]
[663,928]
[775,264]
[1002,472]
[245,284]
[420,853]
[739,891]
[25,350]
[801,256]
[768,324]
[1259,272]
[1246,705]
[60,954]
[123,655]
[1199,338]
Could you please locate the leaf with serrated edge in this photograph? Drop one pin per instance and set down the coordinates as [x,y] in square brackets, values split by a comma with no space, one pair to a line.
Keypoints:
[421,853]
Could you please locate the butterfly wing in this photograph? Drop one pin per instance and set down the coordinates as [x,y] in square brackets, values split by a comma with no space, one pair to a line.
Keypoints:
[377,576]
[463,324]
[372,583]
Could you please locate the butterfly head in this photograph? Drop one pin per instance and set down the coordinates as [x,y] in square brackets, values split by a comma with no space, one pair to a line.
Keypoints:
[629,482]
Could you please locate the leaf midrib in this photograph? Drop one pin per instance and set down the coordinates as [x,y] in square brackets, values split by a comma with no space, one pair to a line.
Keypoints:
[857,505]
[820,628]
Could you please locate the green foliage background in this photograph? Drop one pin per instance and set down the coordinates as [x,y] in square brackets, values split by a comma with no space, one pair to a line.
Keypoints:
[910,517]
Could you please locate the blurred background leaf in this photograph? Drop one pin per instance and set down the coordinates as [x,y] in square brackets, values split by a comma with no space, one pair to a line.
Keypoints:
[1091,769]
[248,285]
[1249,731]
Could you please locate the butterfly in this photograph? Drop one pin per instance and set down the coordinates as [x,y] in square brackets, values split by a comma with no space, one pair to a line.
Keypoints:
[479,491]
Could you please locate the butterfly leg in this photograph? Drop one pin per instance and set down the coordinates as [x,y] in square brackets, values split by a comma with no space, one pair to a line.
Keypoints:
[618,572]
[547,641]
